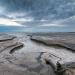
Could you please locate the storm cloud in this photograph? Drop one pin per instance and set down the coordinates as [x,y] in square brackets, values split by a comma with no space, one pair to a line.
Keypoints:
[39,13]
[39,9]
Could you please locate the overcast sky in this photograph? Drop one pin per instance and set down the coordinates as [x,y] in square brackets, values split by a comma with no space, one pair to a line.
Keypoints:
[37,15]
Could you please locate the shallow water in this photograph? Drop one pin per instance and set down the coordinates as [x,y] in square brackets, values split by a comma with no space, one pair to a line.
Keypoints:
[30,46]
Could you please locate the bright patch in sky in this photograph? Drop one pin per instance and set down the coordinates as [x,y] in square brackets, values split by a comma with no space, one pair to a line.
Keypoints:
[23,19]
[52,25]
[8,22]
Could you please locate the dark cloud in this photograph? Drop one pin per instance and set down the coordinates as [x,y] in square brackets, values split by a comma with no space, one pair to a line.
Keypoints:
[48,9]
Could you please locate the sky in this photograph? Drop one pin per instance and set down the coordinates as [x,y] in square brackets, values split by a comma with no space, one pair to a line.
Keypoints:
[37,16]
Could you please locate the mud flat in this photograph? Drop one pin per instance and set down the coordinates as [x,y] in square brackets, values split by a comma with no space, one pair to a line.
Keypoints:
[23,55]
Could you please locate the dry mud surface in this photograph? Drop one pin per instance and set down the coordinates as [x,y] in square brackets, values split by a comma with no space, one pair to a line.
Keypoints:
[19,55]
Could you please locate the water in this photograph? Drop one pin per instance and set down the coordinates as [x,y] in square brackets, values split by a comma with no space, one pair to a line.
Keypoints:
[34,47]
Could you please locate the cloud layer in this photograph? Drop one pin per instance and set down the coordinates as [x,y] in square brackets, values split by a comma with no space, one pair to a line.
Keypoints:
[38,14]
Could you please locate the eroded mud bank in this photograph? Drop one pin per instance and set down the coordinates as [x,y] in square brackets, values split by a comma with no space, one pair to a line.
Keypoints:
[59,59]
[65,41]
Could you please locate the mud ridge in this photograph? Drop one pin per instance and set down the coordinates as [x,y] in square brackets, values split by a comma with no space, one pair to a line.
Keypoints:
[16,47]
[68,46]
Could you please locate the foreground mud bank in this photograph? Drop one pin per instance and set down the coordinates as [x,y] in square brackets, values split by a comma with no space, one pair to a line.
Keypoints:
[62,61]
